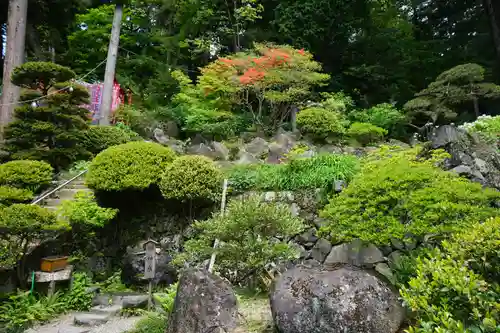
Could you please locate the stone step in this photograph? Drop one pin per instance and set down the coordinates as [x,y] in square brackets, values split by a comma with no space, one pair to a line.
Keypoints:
[66,193]
[52,202]
[91,319]
[73,329]
[109,310]
[79,186]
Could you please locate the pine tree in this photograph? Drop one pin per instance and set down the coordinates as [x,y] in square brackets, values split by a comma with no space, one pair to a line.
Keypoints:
[52,127]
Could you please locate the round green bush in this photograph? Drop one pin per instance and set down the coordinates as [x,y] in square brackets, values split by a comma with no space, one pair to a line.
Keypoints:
[32,175]
[99,138]
[135,165]
[321,123]
[191,178]
[366,133]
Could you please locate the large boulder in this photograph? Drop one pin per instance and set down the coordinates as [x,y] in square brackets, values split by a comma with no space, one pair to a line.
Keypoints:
[204,303]
[314,300]
[470,157]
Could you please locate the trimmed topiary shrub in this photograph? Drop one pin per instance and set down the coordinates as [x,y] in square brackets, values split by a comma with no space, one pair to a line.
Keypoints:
[192,178]
[10,195]
[402,196]
[130,166]
[99,138]
[32,175]
[366,133]
[320,123]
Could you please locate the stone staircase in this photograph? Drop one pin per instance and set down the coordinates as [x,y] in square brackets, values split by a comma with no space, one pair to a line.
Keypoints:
[68,192]
[103,317]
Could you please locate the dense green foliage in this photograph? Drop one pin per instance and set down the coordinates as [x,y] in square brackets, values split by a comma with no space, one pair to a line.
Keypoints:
[154,322]
[99,138]
[192,178]
[32,175]
[133,165]
[365,133]
[247,238]
[385,116]
[24,309]
[78,298]
[83,210]
[401,195]
[53,130]
[456,289]
[299,173]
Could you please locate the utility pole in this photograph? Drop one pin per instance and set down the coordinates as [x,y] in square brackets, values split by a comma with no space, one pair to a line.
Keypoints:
[14,56]
[109,75]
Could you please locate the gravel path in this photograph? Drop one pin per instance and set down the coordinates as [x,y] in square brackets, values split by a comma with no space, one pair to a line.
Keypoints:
[65,324]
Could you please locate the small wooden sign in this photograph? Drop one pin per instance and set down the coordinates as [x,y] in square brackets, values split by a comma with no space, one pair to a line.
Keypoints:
[150,260]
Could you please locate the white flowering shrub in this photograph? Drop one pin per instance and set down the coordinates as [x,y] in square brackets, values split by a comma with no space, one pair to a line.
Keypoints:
[486,127]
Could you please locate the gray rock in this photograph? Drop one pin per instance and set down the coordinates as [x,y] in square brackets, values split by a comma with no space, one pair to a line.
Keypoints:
[314,300]
[269,196]
[395,259]
[275,154]
[397,244]
[355,253]
[257,147]
[320,222]
[445,135]
[177,146]
[295,209]
[171,129]
[308,236]
[135,301]
[286,140]
[246,158]
[200,149]
[204,303]
[475,159]
[160,136]
[197,139]
[383,269]
[220,151]
[339,185]
[90,319]
[321,249]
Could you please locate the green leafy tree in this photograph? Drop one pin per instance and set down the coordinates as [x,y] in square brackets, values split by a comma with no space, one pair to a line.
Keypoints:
[247,234]
[31,175]
[398,195]
[365,133]
[52,128]
[384,115]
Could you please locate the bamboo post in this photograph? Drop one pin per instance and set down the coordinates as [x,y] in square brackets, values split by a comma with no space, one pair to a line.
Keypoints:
[222,210]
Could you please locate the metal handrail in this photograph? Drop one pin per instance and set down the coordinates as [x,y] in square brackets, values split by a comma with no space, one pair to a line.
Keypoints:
[49,193]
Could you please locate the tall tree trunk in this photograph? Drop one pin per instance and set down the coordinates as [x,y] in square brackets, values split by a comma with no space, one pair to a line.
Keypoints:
[493,11]
[14,56]
[475,101]
[109,75]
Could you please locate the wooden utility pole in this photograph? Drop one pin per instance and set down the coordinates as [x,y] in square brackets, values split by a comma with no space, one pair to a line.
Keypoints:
[14,56]
[109,75]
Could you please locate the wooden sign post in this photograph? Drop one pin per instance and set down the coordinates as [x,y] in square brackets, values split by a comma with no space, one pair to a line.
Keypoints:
[150,267]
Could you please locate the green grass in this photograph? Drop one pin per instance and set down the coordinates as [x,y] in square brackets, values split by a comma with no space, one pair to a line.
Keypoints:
[298,174]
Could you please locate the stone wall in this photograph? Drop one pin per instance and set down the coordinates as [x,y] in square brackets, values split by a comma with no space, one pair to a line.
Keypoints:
[320,251]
